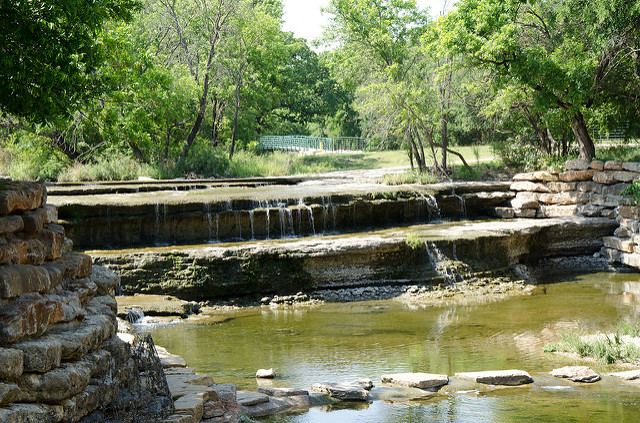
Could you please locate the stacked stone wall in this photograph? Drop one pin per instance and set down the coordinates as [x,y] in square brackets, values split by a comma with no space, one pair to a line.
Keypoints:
[590,189]
[60,357]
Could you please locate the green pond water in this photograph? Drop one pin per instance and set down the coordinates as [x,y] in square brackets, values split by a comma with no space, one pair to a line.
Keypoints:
[347,341]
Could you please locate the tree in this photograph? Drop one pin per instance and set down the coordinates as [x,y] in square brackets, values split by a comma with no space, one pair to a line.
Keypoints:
[562,53]
[49,51]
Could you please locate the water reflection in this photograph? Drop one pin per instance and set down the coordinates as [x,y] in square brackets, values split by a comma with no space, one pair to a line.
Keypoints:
[342,342]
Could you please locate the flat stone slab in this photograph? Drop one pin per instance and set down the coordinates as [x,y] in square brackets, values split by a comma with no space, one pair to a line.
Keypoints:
[416,380]
[169,360]
[226,391]
[282,392]
[278,405]
[582,374]
[247,398]
[349,391]
[498,377]
[628,375]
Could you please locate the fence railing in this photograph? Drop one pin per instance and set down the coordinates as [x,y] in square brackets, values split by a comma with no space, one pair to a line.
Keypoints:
[306,143]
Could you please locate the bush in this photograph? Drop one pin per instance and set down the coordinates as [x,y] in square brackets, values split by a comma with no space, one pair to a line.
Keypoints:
[413,177]
[26,156]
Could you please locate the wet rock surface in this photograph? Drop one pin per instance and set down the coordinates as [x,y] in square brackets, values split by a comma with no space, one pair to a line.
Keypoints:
[582,374]
[498,377]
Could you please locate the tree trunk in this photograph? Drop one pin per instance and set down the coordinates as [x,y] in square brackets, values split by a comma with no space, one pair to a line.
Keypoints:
[235,112]
[579,128]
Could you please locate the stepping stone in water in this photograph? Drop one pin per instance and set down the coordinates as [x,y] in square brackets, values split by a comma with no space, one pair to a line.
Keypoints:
[247,398]
[416,380]
[282,392]
[628,375]
[582,374]
[266,374]
[498,377]
[350,391]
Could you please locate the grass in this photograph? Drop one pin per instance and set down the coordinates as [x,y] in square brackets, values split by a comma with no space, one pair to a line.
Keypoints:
[608,349]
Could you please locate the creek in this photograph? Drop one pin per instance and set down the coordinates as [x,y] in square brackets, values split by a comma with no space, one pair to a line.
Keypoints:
[346,341]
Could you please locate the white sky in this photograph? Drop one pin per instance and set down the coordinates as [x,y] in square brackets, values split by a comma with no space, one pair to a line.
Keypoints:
[304,19]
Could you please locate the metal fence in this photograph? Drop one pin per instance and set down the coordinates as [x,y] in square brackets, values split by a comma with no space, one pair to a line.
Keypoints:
[305,143]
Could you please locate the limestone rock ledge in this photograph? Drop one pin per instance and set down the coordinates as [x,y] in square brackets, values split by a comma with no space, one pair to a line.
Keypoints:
[60,358]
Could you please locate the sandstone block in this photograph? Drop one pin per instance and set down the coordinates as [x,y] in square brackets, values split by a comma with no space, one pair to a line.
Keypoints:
[629,213]
[590,210]
[40,355]
[519,203]
[106,280]
[622,232]
[85,288]
[10,224]
[525,213]
[546,176]
[613,165]
[624,245]
[608,213]
[416,380]
[597,165]
[16,280]
[504,213]
[170,360]
[529,176]
[631,166]
[614,189]
[577,164]
[582,374]
[604,178]
[35,220]
[499,377]
[52,213]
[529,186]
[559,211]
[27,251]
[587,186]
[52,237]
[8,393]
[632,260]
[78,265]
[562,186]
[191,405]
[105,305]
[577,175]
[20,196]
[90,335]
[12,363]
[29,316]
[67,247]
[227,391]
[28,413]
[628,375]
[56,272]
[623,176]
[9,253]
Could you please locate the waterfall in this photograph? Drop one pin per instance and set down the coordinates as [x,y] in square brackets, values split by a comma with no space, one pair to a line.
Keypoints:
[207,214]
[432,207]
[308,208]
[268,219]
[463,204]
[325,215]
[251,222]
[442,265]
[156,234]
[236,216]
[134,316]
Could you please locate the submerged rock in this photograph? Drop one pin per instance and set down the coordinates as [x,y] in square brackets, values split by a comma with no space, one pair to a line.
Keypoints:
[582,374]
[498,377]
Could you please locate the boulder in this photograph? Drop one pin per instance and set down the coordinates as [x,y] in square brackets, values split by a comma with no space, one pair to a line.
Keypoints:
[597,165]
[498,377]
[349,391]
[40,355]
[227,391]
[278,405]
[35,220]
[29,316]
[78,265]
[624,176]
[26,413]
[20,196]
[576,374]
[562,186]
[266,373]
[518,203]
[106,280]
[222,411]
[416,380]
[631,166]
[191,405]
[545,176]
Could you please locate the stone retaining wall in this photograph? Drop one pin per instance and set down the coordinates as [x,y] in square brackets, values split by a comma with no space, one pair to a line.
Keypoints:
[59,356]
[590,189]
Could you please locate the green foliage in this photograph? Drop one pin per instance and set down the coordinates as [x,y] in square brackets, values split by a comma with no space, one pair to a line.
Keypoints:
[50,51]
[414,241]
[605,348]
[632,193]
[23,156]
[412,177]
[112,166]
[524,156]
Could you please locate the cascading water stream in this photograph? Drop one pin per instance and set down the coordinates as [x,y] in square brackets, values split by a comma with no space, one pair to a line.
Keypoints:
[463,204]
[442,265]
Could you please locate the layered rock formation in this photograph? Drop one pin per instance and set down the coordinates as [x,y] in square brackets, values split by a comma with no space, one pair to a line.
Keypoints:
[591,189]
[59,356]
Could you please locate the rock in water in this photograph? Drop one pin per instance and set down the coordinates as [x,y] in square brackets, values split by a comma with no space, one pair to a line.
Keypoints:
[498,377]
[266,374]
[582,374]
[416,380]
[342,391]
